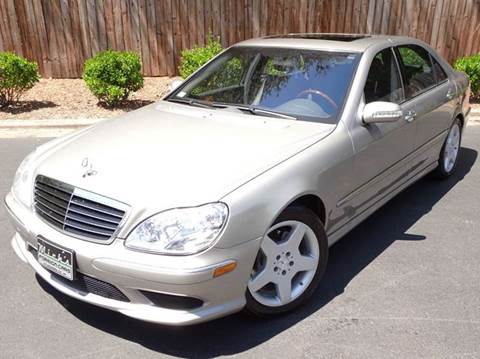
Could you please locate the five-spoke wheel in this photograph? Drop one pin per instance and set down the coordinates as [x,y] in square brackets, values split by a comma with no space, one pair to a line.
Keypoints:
[290,262]
[450,150]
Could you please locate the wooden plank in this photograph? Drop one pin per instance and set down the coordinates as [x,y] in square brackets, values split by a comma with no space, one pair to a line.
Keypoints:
[349,21]
[256,18]
[13,27]
[232,23]
[110,24]
[286,17]
[5,28]
[134,16]
[92,26]
[240,20]
[126,25]
[77,37]
[200,20]
[152,48]
[53,52]
[216,18]
[473,20]
[23,31]
[102,30]
[436,23]
[84,29]
[177,32]
[70,45]
[385,16]
[161,25]
[118,41]
[168,35]
[143,24]
[42,37]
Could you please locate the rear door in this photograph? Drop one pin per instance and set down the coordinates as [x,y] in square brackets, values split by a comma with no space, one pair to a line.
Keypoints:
[428,87]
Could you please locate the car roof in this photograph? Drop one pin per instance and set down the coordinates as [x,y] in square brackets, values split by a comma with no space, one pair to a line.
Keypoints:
[326,41]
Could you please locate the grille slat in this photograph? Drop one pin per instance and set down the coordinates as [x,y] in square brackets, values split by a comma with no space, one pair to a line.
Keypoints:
[60,194]
[96,207]
[62,211]
[51,199]
[66,208]
[87,228]
[49,215]
[93,214]
[91,221]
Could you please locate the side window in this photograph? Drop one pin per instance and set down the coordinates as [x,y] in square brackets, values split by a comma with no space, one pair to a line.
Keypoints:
[438,70]
[383,80]
[418,69]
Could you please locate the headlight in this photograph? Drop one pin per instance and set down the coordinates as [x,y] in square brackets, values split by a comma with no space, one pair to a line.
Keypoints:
[22,187]
[180,231]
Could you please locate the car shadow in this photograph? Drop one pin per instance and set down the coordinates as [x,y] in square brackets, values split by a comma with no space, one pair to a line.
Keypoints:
[240,332]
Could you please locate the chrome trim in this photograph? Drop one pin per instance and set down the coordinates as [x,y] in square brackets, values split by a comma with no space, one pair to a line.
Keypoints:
[70,220]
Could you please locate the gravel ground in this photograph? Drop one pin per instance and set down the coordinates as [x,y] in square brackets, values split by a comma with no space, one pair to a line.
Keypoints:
[70,98]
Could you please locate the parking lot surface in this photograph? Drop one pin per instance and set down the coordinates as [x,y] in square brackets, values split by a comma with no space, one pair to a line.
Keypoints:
[404,284]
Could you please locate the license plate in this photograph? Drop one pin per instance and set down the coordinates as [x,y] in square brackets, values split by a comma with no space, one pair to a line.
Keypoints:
[56,259]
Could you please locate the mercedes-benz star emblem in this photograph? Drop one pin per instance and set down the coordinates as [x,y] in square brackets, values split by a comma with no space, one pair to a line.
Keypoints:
[89,171]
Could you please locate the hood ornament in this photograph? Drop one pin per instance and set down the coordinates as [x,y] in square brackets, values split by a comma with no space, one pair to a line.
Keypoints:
[89,171]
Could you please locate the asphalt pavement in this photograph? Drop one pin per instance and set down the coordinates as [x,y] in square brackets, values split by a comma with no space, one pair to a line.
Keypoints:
[404,284]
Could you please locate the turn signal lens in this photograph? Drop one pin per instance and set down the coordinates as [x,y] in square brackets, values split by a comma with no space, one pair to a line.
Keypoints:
[227,268]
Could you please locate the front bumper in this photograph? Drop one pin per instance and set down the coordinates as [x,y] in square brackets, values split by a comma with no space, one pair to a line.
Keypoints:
[133,272]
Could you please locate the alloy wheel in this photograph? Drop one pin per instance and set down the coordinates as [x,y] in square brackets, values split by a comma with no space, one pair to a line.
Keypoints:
[451,148]
[286,264]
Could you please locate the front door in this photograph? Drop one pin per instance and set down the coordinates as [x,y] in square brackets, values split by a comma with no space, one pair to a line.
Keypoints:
[380,162]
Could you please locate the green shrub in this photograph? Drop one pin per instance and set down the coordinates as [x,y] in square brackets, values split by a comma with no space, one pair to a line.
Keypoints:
[17,75]
[112,75]
[194,58]
[471,66]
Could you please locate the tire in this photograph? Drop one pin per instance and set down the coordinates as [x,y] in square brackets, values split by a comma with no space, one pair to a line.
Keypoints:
[278,263]
[447,162]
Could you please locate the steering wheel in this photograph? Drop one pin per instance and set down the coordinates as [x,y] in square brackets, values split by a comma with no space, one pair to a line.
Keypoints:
[318,93]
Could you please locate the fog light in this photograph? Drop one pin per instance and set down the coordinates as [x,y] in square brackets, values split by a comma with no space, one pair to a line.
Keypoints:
[226,268]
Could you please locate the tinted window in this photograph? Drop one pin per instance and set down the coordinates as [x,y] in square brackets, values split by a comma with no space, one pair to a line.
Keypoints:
[383,80]
[310,85]
[439,72]
[418,69]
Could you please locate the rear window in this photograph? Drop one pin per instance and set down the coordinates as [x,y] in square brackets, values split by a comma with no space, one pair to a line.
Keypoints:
[418,69]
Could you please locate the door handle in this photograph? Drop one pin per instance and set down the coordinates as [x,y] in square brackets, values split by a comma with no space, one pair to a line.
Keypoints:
[410,115]
[450,94]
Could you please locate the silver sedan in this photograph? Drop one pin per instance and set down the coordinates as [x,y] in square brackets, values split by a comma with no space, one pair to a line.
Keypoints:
[227,194]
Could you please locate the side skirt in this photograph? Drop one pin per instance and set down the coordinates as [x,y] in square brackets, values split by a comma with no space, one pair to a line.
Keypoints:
[340,232]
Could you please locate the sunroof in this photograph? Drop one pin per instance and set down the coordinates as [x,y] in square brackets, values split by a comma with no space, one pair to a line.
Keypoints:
[331,37]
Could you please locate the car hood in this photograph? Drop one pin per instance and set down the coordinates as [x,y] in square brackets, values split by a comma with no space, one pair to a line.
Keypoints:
[169,155]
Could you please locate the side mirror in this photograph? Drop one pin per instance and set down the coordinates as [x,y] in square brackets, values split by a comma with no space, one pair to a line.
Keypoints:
[174,84]
[379,112]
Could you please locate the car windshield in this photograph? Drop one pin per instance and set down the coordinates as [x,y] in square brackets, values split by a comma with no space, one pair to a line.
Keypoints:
[302,84]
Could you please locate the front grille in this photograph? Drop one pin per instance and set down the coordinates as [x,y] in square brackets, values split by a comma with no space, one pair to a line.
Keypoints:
[86,284]
[76,211]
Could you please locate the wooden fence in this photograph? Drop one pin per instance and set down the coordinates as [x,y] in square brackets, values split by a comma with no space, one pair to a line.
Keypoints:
[61,34]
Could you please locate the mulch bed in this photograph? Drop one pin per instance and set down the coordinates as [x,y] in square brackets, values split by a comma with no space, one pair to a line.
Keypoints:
[70,98]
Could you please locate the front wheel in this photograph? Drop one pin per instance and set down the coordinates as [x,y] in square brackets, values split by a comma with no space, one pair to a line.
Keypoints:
[291,261]
[450,150]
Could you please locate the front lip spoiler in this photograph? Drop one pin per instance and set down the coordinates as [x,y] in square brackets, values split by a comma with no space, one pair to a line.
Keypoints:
[143,312]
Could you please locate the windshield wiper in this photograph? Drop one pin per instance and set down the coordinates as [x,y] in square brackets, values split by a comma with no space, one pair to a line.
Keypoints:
[198,103]
[260,111]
